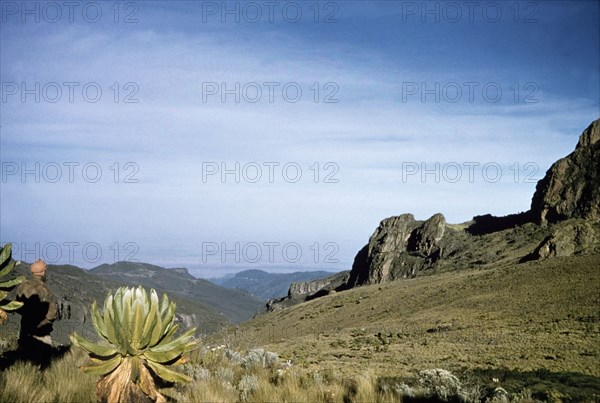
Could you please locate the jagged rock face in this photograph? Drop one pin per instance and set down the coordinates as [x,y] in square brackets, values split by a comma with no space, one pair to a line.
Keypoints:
[390,238]
[306,290]
[567,198]
[426,238]
[571,239]
[402,246]
[308,287]
[399,247]
[571,187]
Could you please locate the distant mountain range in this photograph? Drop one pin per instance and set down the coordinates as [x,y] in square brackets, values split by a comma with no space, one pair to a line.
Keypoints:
[199,302]
[235,305]
[265,285]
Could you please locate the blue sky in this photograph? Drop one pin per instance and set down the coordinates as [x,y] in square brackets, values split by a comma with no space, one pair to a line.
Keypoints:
[90,178]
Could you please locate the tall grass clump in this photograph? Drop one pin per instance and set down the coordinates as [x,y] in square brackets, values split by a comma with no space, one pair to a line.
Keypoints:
[62,381]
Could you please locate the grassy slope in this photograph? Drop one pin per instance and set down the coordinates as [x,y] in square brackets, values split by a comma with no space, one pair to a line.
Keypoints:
[523,317]
[538,315]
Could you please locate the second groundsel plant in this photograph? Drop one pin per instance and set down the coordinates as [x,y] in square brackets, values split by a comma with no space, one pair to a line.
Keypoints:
[137,333]
[7,264]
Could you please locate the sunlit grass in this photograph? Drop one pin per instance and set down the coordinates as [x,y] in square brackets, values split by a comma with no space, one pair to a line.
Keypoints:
[62,381]
[220,378]
[531,330]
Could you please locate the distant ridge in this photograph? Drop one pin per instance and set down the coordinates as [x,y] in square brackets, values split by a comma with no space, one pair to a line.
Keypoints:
[235,305]
[266,285]
[76,289]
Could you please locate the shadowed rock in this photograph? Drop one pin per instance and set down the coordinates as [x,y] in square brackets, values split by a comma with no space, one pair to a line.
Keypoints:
[306,290]
[400,247]
[571,238]
[486,224]
[571,187]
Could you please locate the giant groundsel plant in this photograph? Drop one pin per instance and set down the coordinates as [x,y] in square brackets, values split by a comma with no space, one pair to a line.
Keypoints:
[137,340]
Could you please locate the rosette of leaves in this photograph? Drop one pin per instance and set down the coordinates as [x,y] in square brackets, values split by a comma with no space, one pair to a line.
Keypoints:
[137,341]
[6,266]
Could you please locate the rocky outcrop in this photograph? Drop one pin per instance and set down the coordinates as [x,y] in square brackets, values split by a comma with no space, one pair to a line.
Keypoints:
[269,285]
[424,240]
[572,238]
[571,187]
[308,287]
[183,271]
[302,291]
[400,247]
[566,202]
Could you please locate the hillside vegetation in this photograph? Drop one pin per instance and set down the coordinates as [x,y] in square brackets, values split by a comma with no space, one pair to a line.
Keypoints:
[200,303]
[235,305]
[530,329]
[513,317]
